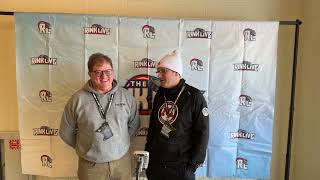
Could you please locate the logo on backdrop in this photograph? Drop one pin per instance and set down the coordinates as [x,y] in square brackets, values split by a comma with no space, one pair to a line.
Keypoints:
[148,32]
[199,33]
[46,161]
[145,63]
[45,95]
[44,27]
[45,131]
[141,87]
[196,64]
[14,144]
[241,163]
[249,34]
[142,131]
[245,100]
[168,112]
[43,60]
[246,66]
[242,134]
[97,29]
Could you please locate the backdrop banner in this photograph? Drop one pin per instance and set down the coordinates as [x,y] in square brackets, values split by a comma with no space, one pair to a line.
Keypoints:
[232,62]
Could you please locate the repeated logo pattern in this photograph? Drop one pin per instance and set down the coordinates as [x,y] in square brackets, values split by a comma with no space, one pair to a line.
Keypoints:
[97,29]
[144,86]
[44,27]
[149,32]
[46,161]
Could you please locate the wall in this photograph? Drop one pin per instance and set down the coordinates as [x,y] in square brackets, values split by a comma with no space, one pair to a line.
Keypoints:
[306,146]
[8,95]
[204,9]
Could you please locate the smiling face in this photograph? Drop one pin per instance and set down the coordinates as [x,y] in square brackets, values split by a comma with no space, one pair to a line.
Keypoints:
[168,78]
[101,77]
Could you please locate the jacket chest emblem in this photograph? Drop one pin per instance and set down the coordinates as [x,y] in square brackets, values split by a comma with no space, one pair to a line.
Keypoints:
[168,112]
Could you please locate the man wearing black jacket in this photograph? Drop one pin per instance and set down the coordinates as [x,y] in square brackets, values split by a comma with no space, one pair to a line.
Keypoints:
[178,132]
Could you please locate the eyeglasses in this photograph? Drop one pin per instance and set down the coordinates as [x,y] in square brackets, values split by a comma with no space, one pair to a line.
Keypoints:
[162,70]
[100,72]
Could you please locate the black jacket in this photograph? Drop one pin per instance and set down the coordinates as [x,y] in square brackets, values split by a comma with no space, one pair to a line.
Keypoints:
[188,143]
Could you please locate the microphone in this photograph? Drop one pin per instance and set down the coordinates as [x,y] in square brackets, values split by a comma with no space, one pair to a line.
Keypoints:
[154,83]
[142,160]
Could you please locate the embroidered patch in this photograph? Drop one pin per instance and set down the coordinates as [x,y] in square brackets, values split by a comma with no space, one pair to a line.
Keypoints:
[205,111]
[168,112]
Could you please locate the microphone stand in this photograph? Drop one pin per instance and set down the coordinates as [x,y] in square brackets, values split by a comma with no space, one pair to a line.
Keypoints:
[139,164]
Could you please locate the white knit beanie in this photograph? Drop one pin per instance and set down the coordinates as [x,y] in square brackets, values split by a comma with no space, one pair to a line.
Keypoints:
[171,61]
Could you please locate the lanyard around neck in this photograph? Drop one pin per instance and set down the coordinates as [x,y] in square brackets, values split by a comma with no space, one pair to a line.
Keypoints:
[175,101]
[102,112]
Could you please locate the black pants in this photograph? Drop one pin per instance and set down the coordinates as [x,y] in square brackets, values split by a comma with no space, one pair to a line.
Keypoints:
[169,171]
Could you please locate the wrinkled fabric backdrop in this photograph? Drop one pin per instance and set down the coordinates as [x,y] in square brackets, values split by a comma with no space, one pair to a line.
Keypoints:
[232,62]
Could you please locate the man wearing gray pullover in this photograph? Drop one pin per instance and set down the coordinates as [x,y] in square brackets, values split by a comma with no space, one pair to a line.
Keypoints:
[98,121]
